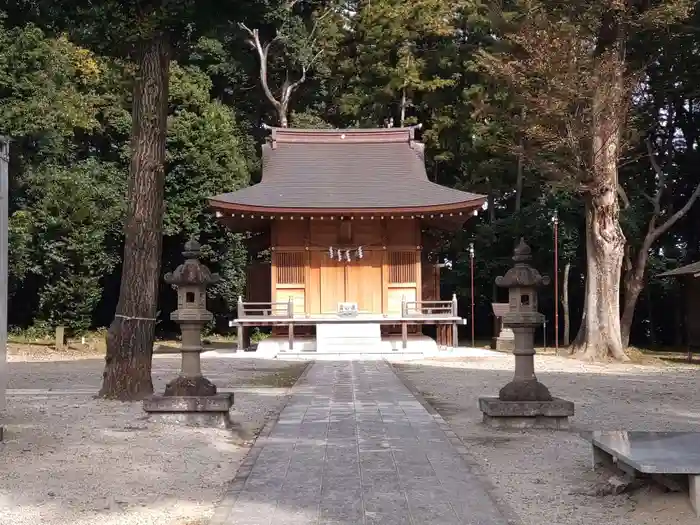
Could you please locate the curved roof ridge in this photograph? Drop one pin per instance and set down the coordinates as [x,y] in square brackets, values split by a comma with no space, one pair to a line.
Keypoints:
[339,135]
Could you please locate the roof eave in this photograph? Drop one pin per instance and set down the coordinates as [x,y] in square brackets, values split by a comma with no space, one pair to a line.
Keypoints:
[456,207]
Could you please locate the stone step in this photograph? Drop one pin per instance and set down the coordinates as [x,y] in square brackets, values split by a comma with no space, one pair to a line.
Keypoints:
[348,330]
[345,341]
[354,348]
[348,356]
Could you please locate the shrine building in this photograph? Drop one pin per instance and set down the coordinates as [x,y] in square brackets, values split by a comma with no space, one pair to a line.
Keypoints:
[339,232]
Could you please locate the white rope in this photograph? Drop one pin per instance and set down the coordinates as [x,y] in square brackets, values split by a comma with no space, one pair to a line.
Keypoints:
[134,318]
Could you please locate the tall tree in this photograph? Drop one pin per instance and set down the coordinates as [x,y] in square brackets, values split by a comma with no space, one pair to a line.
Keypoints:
[391,46]
[660,193]
[567,66]
[148,34]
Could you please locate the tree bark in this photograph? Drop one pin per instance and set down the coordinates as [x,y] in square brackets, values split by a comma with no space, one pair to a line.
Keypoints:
[633,286]
[404,103]
[599,336]
[519,173]
[127,373]
[282,117]
[565,306]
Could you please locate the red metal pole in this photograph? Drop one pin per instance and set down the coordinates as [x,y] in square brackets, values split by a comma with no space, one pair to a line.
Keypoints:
[556,282]
[471,255]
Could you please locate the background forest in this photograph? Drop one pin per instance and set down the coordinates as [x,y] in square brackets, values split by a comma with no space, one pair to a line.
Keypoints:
[67,102]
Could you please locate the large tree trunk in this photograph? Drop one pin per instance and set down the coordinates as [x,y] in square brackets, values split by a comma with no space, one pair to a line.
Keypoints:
[127,373]
[565,305]
[599,336]
[633,286]
[404,104]
[282,116]
[631,296]
[519,173]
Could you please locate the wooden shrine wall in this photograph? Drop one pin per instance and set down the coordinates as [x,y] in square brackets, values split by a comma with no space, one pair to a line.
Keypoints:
[389,270]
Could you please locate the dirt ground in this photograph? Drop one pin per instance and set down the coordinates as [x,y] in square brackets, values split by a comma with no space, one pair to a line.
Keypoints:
[71,459]
[546,476]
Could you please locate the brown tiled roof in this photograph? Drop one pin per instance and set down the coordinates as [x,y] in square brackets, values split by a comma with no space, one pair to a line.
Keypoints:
[345,170]
[690,269]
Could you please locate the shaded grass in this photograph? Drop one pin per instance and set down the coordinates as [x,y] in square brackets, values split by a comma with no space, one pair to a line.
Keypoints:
[282,378]
[446,410]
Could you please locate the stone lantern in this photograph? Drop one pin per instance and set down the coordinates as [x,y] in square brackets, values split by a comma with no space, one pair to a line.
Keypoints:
[191,398]
[524,402]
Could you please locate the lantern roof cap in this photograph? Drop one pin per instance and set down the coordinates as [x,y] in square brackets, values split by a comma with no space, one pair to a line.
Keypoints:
[192,272]
[522,275]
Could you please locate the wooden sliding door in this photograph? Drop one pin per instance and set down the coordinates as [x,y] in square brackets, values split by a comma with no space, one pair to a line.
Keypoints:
[363,282]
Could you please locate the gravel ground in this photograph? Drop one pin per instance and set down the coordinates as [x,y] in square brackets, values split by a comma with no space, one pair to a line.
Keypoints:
[69,459]
[546,476]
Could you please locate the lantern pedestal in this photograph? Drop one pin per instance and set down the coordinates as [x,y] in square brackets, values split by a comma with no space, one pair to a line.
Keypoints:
[197,411]
[553,414]
[524,402]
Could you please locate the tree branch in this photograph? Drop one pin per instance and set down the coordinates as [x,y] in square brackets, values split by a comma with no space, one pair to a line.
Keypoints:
[654,231]
[281,104]
[262,51]
[673,219]
[289,88]
[623,196]
[660,178]
[312,33]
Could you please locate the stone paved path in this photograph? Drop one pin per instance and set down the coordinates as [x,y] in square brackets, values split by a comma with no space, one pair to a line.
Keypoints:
[354,446]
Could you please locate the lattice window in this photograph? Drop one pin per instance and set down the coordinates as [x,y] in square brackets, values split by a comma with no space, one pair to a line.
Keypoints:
[291,267]
[402,267]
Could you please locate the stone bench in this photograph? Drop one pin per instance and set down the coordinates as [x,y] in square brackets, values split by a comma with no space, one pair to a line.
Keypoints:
[665,457]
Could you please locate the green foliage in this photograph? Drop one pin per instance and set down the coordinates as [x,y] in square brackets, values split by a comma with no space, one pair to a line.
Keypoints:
[52,77]
[391,47]
[308,120]
[66,238]
[69,114]
[49,89]
[207,153]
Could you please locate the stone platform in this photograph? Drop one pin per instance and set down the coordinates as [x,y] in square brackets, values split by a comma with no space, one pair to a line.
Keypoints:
[666,457]
[277,346]
[552,414]
[199,411]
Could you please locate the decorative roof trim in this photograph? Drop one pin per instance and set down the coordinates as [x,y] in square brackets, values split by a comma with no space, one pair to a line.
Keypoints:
[335,136]
[456,206]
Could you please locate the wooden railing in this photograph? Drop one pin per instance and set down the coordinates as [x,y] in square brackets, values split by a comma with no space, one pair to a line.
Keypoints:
[429,308]
[409,309]
[412,312]
[262,310]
